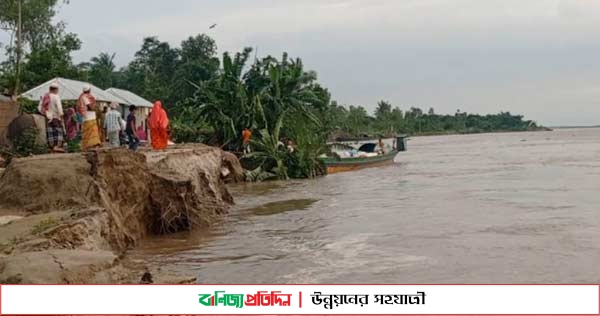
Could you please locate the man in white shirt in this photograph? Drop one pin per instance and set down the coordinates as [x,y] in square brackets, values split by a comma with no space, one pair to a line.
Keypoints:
[51,107]
[112,125]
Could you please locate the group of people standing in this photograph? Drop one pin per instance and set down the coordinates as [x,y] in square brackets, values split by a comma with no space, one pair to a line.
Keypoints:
[91,125]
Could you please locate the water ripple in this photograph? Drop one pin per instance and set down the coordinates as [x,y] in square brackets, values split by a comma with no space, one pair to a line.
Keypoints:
[486,208]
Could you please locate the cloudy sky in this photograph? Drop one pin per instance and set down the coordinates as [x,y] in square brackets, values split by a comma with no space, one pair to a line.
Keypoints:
[540,58]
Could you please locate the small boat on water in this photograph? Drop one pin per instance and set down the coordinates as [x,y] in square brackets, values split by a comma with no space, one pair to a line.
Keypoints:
[347,154]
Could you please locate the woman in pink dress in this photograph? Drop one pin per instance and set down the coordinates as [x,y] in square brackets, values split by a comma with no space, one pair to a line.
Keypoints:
[141,134]
[71,124]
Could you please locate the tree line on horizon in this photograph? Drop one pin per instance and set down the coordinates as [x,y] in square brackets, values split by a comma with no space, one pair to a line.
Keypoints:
[212,98]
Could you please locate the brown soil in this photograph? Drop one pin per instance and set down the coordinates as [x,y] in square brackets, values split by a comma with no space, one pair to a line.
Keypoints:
[184,194]
[83,211]
[43,183]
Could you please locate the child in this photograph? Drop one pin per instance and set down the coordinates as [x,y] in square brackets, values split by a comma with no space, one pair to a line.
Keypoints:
[133,139]
[141,133]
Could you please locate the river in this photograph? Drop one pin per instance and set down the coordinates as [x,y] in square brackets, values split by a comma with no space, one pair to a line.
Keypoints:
[486,208]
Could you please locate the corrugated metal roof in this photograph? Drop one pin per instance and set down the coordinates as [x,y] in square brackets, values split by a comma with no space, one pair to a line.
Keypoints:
[70,90]
[129,97]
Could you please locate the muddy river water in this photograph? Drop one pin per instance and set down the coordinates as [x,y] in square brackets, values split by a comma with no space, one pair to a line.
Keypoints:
[488,208]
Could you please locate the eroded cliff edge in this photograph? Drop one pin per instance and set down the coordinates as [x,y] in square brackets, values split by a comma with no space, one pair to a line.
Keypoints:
[72,217]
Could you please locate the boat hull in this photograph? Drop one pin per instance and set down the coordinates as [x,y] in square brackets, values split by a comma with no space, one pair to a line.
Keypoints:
[334,165]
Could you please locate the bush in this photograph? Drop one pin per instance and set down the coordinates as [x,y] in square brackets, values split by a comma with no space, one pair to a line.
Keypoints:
[304,164]
[187,131]
[74,146]
[28,106]
[27,144]
[309,144]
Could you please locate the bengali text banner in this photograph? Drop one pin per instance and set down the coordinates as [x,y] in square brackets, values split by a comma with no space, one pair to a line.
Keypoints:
[300,299]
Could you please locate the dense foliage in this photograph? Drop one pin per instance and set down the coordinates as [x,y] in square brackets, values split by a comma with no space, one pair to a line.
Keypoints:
[388,121]
[212,99]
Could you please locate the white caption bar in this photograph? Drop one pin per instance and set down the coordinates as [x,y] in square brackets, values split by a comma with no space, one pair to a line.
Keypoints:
[272,299]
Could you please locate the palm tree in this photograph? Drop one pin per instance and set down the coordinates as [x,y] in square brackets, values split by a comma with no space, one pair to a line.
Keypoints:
[269,96]
[104,61]
[102,69]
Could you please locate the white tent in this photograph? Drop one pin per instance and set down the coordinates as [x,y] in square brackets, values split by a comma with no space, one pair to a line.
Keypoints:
[129,97]
[70,90]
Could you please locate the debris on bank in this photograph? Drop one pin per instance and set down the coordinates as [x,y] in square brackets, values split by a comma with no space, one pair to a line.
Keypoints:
[71,217]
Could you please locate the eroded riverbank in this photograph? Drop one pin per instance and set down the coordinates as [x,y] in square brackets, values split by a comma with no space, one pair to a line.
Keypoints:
[76,215]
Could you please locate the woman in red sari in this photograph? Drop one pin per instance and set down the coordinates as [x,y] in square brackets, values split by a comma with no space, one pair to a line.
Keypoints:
[158,123]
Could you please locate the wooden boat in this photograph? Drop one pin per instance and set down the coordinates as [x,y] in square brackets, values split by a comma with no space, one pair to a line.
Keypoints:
[358,153]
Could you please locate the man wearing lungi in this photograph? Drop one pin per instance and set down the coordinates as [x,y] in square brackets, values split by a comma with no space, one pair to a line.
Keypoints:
[51,107]
[86,105]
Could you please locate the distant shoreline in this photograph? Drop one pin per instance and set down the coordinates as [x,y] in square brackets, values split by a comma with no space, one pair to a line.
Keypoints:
[567,127]
[538,129]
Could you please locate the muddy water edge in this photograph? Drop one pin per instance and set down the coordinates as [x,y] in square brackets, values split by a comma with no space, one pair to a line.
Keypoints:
[487,208]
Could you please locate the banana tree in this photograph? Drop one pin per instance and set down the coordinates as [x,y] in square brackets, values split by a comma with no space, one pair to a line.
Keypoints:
[225,102]
[268,150]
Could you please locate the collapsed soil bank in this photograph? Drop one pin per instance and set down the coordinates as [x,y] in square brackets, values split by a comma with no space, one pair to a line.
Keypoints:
[81,212]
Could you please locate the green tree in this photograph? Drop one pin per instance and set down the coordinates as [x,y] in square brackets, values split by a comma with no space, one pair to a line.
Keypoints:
[385,123]
[225,103]
[284,86]
[335,118]
[52,59]
[36,20]
[383,110]
[152,72]
[101,70]
[198,62]
[358,120]
[267,149]
[37,33]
